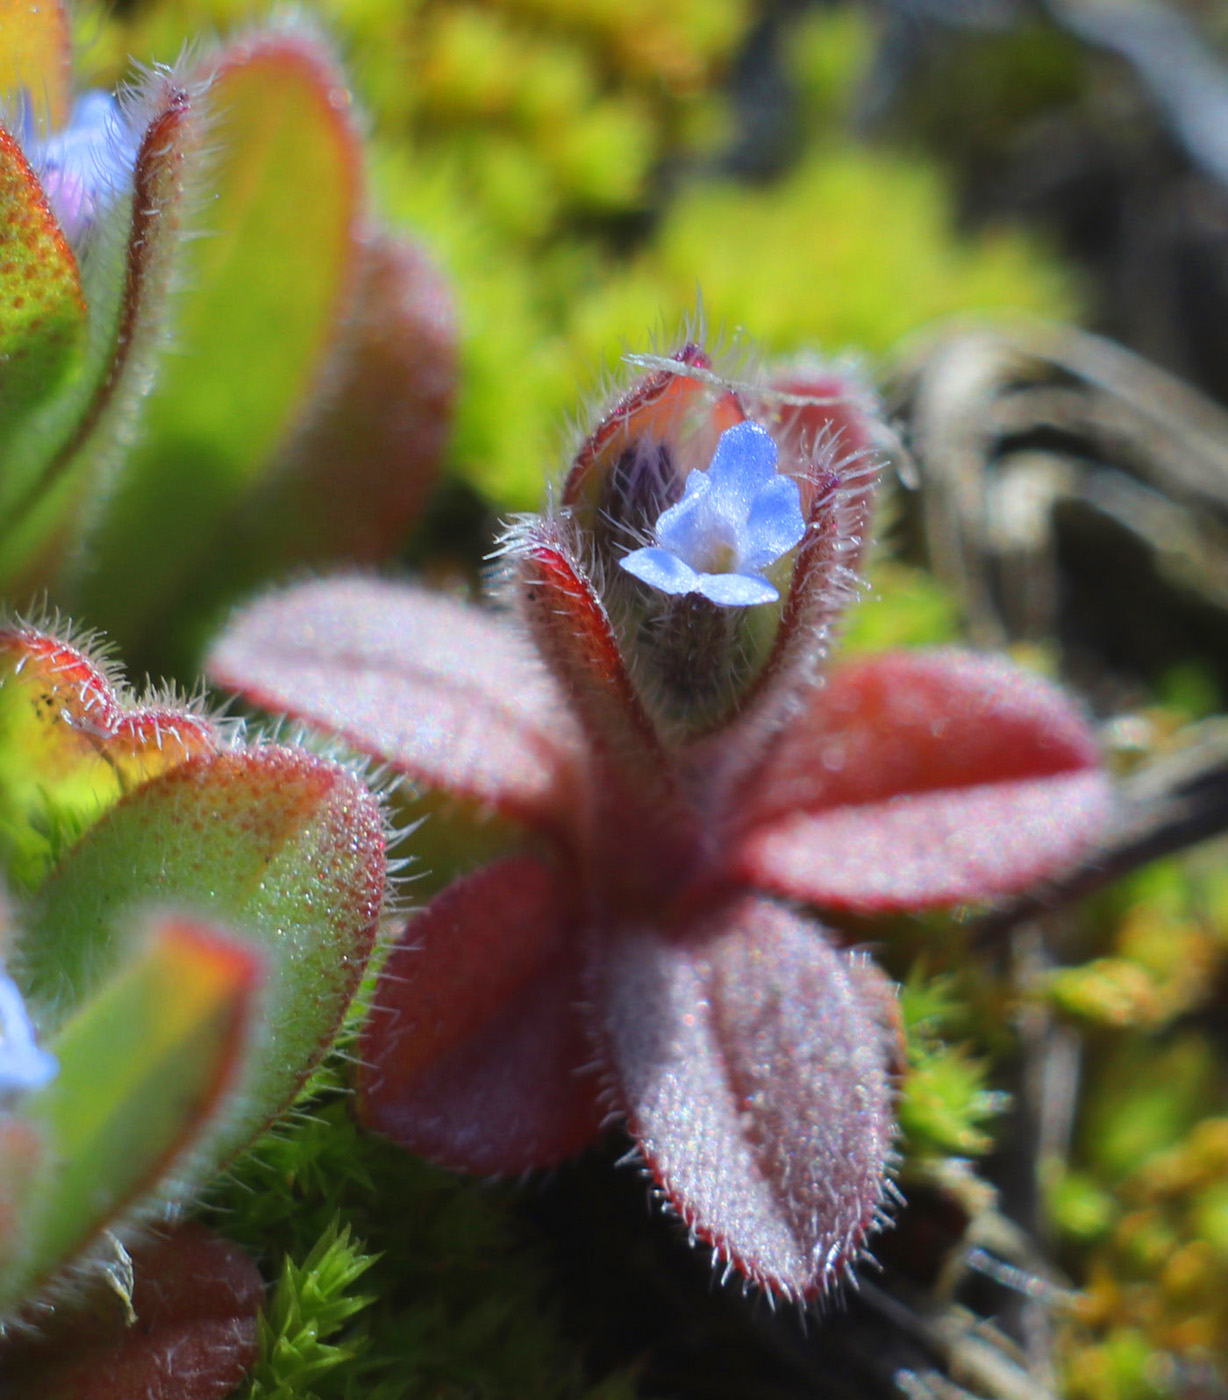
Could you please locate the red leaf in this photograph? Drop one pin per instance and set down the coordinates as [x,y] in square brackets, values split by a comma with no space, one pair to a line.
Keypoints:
[472,1052]
[754,1059]
[444,692]
[196,1299]
[634,788]
[924,778]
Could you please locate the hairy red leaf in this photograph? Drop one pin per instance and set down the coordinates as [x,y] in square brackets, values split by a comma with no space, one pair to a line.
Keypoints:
[445,693]
[754,1062]
[471,1052]
[923,778]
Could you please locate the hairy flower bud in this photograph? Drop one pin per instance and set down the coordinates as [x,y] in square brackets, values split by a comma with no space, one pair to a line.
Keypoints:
[84,167]
[696,498]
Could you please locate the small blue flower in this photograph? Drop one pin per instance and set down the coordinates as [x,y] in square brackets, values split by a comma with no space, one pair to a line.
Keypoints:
[23,1066]
[733,521]
[83,167]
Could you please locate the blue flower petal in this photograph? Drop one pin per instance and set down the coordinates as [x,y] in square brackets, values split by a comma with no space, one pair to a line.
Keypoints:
[23,1066]
[736,590]
[84,166]
[744,461]
[775,524]
[685,528]
[734,520]
[661,569]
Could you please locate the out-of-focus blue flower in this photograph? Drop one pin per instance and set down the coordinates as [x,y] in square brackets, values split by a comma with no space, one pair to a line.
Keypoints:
[23,1065]
[734,521]
[83,167]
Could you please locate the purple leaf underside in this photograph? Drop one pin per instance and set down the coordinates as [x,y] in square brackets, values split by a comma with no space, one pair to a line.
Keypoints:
[474,1050]
[924,778]
[441,691]
[753,1059]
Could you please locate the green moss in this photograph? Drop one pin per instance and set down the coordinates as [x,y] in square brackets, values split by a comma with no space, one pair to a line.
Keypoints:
[1080,1208]
[1123,1367]
[1191,691]
[853,249]
[945,1105]
[312,1302]
[395,1278]
[1144,1098]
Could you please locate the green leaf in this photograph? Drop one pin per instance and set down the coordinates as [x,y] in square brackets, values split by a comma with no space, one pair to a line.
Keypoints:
[67,448]
[270,281]
[42,306]
[71,746]
[23,1161]
[143,1066]
[359,469]
[282,847]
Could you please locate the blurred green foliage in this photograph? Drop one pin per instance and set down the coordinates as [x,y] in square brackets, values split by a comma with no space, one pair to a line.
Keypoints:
[1141,1208]
[564,160]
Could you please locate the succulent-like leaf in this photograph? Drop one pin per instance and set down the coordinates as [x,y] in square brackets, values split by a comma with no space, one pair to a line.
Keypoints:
[471,1054]
[270,280]
[36,55]
[68,446]
[753,1060]
[196,1299]
[365,454]
[42,306]
[71,746]
[24,1160]
[143,1065]
[282,847]
[443,692]
[923,778]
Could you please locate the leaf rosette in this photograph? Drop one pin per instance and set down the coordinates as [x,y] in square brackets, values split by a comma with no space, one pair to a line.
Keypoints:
[653,706]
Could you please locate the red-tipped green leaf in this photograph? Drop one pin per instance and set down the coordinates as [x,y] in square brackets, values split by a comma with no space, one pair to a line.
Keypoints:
[69,447]
[924,778]
[42,307]
[450,695]
[36,54]
[197,1300]
[473,1051]
[71,746]
[142,1069]
[270,282]
[753,1060]
[281,847]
